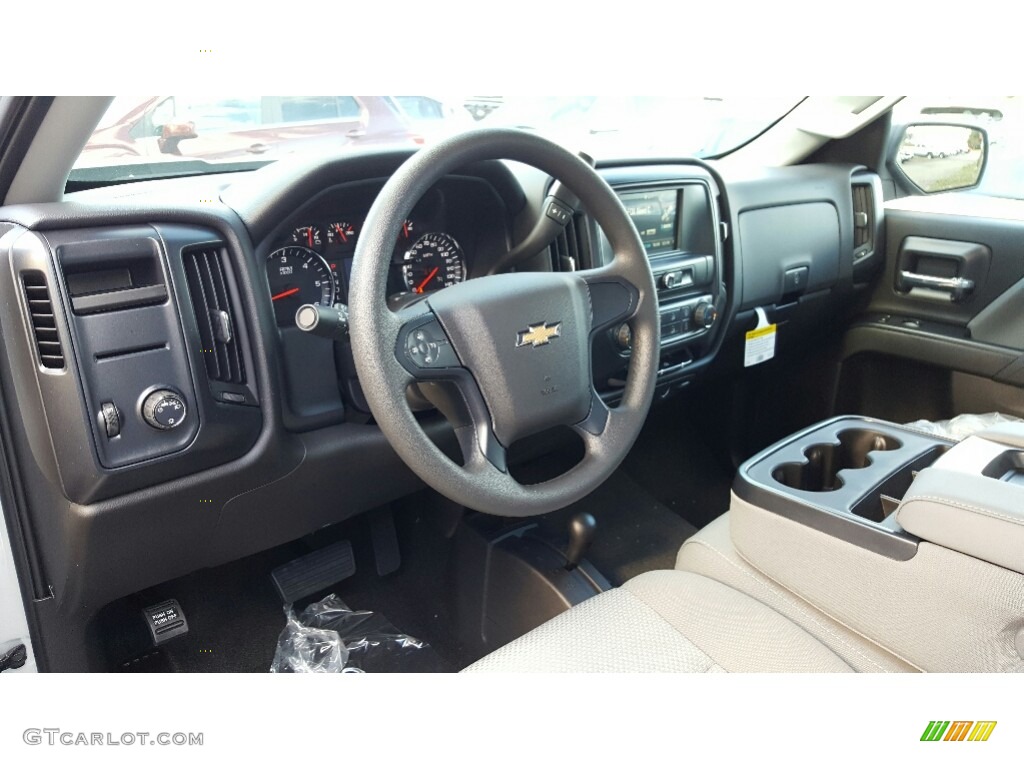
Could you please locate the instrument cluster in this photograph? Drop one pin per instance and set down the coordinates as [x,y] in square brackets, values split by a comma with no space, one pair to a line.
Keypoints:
[314,263]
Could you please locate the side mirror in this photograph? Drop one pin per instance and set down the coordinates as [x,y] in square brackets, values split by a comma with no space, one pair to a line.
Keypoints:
[172,134]
[940,157]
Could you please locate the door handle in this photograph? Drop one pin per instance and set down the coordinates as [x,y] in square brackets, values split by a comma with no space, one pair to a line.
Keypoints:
[958,288]
[941,266]
[257,149]
[356,133]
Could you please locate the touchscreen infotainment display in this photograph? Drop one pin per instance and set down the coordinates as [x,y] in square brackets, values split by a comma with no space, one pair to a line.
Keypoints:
[654,215]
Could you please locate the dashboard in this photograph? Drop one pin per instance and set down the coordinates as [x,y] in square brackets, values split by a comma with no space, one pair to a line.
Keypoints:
[457,232]
[126,307]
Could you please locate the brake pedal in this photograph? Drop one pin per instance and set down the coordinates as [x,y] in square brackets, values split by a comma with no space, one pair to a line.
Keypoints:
[314,572]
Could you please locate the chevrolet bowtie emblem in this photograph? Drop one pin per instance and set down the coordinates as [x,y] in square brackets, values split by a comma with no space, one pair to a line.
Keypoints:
[538,335]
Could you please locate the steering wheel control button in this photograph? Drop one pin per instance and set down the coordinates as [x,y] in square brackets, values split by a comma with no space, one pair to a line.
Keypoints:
[164,409]
[428,347]
[110,417]
[558,212]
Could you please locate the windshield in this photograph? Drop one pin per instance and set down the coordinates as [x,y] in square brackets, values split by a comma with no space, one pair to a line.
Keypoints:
[152,136]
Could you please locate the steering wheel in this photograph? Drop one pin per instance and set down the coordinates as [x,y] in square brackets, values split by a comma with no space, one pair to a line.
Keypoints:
[514,348]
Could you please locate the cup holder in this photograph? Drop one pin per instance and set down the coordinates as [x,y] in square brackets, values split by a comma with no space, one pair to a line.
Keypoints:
[820,472]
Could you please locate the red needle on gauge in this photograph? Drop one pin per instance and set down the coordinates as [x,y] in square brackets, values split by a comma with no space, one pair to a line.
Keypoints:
[341,233]
[309,234]
[427,279]
[284,294]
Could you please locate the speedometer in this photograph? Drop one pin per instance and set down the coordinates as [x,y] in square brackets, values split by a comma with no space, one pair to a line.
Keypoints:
[298,276]
[435,261]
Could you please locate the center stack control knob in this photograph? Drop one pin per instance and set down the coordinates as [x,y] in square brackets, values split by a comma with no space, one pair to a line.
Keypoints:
[164,409]
[705,314]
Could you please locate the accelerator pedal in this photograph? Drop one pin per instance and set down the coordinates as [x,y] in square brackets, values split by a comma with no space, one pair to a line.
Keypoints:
[314,572]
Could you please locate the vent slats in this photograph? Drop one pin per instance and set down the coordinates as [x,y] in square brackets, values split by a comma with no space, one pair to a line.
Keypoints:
[206,271]
[44,324]
[863,215]
[567,248]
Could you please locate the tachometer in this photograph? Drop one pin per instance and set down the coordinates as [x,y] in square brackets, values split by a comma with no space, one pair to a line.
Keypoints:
[435,261]
[298,276]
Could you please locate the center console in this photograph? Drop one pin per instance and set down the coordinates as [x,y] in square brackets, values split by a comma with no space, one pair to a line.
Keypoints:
[902,537]
[844,477]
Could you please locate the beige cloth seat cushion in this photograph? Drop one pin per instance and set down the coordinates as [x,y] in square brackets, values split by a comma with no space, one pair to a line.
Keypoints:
[710,552]
[667,621]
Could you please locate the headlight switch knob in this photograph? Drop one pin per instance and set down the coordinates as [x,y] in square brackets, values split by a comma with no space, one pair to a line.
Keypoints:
[164,409]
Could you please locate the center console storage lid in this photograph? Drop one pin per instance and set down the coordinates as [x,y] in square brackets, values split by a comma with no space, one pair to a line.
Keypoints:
[1009,433]
[979,516]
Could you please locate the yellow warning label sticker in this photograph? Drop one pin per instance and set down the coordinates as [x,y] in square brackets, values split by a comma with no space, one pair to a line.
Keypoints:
[760,346]
[759,332]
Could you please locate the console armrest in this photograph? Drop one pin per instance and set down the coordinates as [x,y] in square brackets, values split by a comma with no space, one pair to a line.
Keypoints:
[1011,433]
[978,516]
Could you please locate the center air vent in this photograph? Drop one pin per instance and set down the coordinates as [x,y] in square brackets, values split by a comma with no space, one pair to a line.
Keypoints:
[566,250]
[863,220]
[207,272]
[44,324]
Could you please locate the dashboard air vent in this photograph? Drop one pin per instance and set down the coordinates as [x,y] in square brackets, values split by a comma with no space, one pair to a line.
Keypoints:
[565,251]
[44,324]
[207,272]
[863,219]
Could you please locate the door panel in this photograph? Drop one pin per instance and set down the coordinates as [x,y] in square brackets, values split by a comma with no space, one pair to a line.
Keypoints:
[1003,238]
[1002,321]
[943,332]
